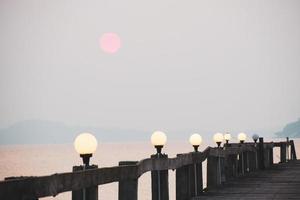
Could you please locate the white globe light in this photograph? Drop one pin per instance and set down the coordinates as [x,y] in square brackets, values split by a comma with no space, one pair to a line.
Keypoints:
[158,138]
[195,139]
[85,143]
[218,137]
[242,137]
[227,136]
[255,137]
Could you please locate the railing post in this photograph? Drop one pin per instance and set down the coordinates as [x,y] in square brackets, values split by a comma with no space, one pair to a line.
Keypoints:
[261,159]
[271,156]
[128,189]
[215,167]
[287,149]
[252,161]
[240,162]
[213,176]
[283,152]
[230,166]
[89,193]
[267,157]
[189,181]
[246,162]
[160,182]
[183,188]
[293,151]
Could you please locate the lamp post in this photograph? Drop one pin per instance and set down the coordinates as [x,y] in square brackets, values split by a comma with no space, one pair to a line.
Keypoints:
[196,141]
[255,137]
[242,138]
[227,137]
[218,138]
[158,140]
[85,144]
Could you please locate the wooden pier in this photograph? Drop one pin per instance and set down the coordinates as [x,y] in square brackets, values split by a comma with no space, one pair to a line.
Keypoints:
[235,171]
[281,181]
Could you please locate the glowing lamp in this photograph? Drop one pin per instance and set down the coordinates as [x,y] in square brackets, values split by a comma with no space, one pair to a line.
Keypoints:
[227,137]
[196,141]
[158,140]
[85,144]
[255,137]
[218,138]
[242,137]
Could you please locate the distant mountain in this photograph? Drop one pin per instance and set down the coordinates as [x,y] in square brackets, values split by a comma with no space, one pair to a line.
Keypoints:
[50,132]
[290,130]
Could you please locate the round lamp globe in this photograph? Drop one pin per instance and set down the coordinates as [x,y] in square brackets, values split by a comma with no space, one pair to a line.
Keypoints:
[242,137]
[158,138]
[195,139]
[85,143]
[218,138]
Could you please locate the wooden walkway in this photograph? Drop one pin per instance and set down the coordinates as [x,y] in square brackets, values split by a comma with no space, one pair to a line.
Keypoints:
[282,181]
[226,176]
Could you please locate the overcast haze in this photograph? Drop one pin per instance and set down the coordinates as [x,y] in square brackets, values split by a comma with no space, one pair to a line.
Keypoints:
[209,65]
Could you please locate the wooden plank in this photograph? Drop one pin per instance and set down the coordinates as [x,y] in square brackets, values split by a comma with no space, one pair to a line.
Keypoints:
[128,189]
[151,164]
[189,181]
[183,183]
[283,152]
[215,169]
[281,181]
[90,193]
[293,151]
[54,184]
[261,158]
[230,165]
[160,181]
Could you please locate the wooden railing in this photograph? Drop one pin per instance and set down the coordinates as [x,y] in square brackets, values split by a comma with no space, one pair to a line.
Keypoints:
[223,164]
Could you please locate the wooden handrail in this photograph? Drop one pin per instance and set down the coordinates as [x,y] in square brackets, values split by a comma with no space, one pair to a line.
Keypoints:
[43,186]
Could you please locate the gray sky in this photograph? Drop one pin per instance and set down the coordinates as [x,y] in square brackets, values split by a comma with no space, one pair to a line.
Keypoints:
[183,65]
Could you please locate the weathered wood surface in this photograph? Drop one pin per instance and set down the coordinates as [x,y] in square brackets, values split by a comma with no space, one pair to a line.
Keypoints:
[189,181]
[90,193]
[128,189]
[293,151]
[43,186]
[160,181]
[281,181]
[57,183]
[54,184]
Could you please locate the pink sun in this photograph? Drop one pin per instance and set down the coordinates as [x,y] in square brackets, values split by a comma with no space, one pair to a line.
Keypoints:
[110,42]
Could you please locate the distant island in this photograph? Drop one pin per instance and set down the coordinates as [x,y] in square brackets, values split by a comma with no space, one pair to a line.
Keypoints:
[290,130]
[51,132]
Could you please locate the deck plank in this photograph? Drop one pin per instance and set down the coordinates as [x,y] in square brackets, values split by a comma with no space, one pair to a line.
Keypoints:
[282,181]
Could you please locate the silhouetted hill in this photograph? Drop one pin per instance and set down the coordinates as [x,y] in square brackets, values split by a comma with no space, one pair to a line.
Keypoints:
[49,132]
[290,130]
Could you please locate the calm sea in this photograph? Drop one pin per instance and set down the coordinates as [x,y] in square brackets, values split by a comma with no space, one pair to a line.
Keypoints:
[28,160]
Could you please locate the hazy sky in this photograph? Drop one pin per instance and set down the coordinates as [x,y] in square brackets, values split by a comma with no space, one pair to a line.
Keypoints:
[183,65]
